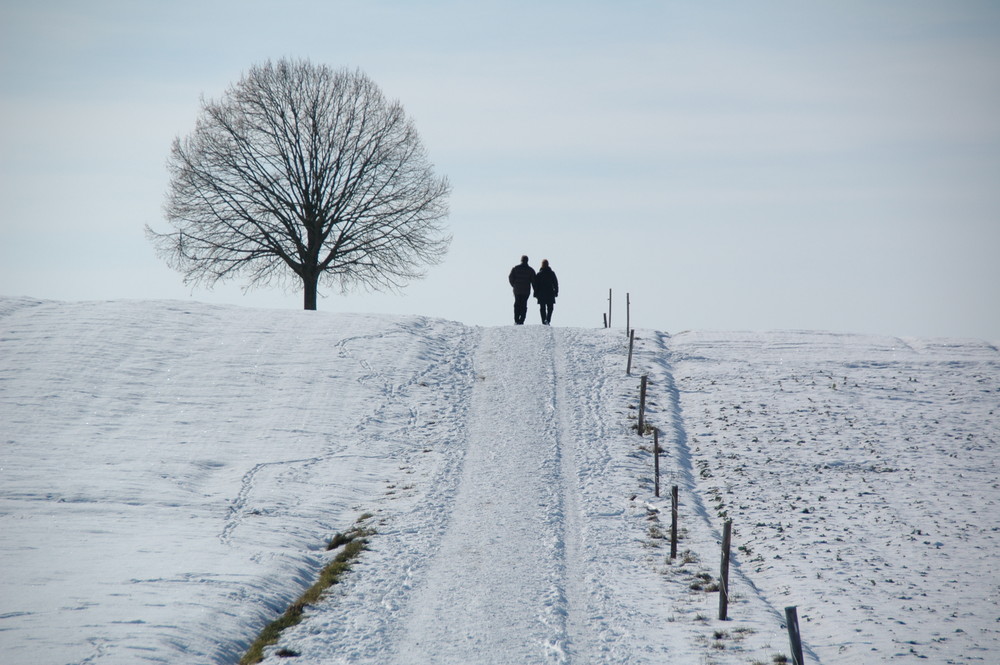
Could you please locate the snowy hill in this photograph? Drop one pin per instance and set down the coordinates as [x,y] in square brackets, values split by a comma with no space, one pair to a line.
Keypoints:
[170,474]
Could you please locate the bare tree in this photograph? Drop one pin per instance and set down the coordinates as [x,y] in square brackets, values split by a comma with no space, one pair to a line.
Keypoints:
[303,171]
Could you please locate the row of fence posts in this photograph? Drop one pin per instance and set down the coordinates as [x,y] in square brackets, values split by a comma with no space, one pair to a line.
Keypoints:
[628,312]
[791,613]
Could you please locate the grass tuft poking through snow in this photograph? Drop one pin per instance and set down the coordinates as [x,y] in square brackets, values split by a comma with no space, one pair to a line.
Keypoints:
[353,542]
[356,532]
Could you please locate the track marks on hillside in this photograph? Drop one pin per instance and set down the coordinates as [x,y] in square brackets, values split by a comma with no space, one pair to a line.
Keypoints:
[494,589]
[407,405]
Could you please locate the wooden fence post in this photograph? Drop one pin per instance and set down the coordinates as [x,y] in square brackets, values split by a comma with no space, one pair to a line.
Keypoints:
[656,461]
[673,522]
[794,637]
[642,404]
[609,308]
[631,343]
[628,312]
[727,532]
[605,315]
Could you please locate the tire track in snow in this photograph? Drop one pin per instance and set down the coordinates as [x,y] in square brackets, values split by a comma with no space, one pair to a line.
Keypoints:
[616,615]
[494,591]
[573,574]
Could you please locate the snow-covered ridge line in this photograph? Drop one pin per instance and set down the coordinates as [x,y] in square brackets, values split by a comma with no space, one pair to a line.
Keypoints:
[197,456]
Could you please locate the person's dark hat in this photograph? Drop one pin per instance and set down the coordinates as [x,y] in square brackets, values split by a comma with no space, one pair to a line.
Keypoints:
[524,259]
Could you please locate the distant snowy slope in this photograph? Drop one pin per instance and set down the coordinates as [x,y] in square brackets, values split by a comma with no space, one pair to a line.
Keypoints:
[170,474]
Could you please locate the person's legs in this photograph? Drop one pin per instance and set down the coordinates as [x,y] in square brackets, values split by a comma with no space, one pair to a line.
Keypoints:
[541,310]
[520,308]
[548,313]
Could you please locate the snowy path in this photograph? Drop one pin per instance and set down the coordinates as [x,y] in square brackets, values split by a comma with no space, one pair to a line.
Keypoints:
[496,588]
[523,548]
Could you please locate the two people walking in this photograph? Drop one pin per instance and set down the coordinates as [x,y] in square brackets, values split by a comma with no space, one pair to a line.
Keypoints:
[523,279]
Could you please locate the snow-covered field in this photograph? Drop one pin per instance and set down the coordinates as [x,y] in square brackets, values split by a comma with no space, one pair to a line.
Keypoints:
[170,474]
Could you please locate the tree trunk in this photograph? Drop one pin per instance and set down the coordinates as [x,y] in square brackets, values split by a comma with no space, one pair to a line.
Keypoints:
[309,292]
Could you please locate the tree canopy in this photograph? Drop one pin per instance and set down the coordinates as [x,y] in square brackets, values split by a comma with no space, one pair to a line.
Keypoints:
[303,174]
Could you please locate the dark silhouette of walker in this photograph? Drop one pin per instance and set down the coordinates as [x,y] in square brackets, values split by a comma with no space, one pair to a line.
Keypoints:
[546,286]
[520,280]
[523,279]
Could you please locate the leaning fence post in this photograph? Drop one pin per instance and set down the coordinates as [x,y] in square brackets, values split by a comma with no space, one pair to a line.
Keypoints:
[673,522]
[656,461]
[642,404]
[631,343]
[792,620]
[727,531]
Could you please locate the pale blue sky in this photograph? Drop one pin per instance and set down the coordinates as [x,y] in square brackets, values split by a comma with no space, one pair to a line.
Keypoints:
[733,165]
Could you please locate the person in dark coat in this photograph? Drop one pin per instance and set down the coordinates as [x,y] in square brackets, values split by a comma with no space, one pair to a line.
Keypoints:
[520,279]
[546,286]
